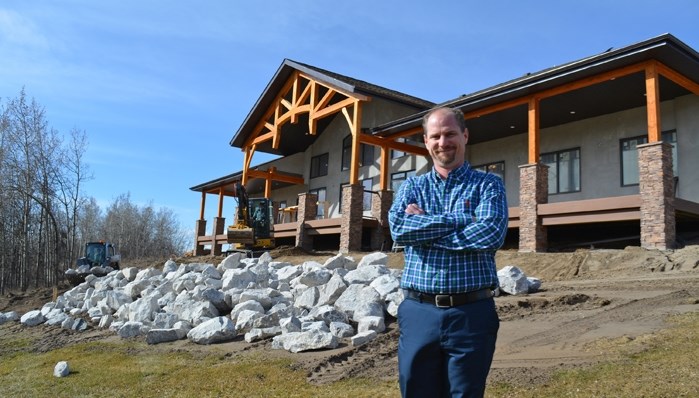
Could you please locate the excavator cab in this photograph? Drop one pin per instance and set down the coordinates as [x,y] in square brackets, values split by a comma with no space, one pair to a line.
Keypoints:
[253,225]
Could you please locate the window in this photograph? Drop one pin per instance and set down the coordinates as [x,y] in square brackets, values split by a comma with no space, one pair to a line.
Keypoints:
[321,198]
[497,168]
[399,178]
[319,165]
[366,153]
[396,153]
[564,170]
[367,186]
[629,156]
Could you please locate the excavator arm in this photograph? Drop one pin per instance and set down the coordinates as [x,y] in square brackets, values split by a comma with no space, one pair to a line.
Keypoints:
[241,232]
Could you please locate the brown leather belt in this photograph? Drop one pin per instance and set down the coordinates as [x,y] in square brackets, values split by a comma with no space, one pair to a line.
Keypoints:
[448,300]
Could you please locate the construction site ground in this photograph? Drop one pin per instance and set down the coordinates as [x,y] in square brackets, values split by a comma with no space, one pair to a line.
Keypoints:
[588,298]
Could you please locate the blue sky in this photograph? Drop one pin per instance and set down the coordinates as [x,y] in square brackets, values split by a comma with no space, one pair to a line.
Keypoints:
[160,87]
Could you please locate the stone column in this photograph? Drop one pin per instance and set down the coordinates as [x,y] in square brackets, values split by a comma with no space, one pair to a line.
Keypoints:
[218,229]
[352,213]
[656,186]
[307,210]
[533,190]
[199,230]
[380,204]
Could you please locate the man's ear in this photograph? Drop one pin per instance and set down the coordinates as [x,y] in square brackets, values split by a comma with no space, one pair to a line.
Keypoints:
[466,134]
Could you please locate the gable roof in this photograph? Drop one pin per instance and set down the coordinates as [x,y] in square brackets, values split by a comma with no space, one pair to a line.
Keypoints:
[614,95]
[341,82]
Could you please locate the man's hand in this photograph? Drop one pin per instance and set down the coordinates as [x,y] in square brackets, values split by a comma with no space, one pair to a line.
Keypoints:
[414,209]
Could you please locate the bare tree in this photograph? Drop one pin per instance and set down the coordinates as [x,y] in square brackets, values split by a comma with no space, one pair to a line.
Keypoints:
[45,218]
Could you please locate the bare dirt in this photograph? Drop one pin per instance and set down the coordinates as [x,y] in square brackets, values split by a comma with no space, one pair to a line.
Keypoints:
[587,297]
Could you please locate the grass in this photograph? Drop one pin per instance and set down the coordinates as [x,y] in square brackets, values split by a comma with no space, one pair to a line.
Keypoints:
[659,365]
[130,369]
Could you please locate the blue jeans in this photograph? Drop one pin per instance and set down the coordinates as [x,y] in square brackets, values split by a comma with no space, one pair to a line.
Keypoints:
[446,352]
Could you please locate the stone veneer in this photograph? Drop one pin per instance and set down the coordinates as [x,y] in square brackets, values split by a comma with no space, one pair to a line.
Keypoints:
[656,187]
[199,230]
[218,229]
[380,204]
[533,190]
[307,210]
[352,214]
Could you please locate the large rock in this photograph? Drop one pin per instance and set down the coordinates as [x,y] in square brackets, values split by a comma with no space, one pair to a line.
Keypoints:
[61,369]
[132,329]
[331,291]
[305,341]
[365,274]
[359,301]
[157,336]
[32,318]
[376,258]
[215,330]
[513,281]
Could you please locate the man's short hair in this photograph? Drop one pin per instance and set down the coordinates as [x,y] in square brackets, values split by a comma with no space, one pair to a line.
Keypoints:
[458,116]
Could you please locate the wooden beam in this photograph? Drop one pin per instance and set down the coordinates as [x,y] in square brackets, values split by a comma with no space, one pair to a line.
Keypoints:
[265,137]
[275,176]
[355,127]
[534,111]
[678,78]
[385,167]
[653,103]
[399,146]
[334,108]
[203,205]
[268,182]
[220,202]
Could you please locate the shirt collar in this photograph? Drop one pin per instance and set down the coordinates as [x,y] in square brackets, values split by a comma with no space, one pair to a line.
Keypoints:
[459,172]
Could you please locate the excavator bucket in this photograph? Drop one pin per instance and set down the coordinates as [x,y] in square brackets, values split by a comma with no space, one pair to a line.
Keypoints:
[242,235]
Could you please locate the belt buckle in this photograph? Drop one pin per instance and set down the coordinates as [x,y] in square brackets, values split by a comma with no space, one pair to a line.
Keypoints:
[443,301]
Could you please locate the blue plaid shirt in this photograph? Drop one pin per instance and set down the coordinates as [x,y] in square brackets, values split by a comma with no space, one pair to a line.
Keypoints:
[451,248]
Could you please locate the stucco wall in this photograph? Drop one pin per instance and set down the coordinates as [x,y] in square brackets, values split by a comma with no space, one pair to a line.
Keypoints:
[687,124]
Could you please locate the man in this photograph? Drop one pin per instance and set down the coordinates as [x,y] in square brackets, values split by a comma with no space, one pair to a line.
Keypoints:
[451,221]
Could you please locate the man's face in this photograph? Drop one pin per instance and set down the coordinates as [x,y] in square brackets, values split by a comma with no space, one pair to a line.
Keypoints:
[445,141]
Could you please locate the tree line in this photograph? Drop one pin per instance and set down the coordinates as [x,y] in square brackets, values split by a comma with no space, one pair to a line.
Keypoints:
[45,216]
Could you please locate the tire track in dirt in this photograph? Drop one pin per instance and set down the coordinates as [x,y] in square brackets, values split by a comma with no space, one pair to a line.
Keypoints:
[378,357]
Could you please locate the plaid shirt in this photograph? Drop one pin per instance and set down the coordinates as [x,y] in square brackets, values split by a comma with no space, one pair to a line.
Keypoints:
[451,248]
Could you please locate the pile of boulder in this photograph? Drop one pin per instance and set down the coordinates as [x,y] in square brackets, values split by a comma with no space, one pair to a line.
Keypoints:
[300,307]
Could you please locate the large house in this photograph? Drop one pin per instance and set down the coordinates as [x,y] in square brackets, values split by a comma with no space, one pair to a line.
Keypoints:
[595,151]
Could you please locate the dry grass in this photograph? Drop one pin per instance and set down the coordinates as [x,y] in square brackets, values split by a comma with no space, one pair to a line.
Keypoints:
[132,369]
[658,365]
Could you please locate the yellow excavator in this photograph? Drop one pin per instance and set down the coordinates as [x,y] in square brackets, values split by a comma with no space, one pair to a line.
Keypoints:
[253,224]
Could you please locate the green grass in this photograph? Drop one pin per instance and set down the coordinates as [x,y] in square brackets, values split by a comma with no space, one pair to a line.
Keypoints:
[659,365]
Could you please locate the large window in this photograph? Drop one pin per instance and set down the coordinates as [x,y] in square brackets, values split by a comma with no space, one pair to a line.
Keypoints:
[320,212]
[319,165]
[497,168]
[366,153]
[564,170]
[397,179]
[367,185]
[629,156]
